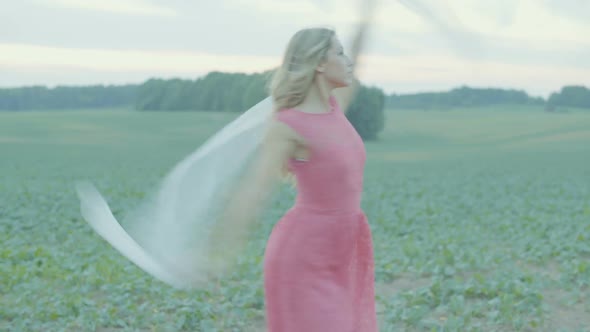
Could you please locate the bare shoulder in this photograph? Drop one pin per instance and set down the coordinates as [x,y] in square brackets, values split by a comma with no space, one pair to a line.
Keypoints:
[282,142]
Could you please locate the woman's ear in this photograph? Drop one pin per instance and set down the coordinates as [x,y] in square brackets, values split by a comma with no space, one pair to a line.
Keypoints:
[320,68]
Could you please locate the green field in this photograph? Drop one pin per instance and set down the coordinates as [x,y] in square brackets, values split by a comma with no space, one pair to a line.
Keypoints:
[480,220]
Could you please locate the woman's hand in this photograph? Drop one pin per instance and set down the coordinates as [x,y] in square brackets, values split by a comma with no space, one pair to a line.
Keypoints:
[367,12]
[345,95]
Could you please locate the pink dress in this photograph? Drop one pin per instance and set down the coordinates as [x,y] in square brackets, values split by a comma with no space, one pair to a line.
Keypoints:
[318,263]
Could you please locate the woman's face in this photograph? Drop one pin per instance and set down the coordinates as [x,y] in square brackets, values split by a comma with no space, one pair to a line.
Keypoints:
[336,68]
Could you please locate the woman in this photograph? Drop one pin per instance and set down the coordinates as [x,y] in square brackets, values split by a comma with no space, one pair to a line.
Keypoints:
[318,263]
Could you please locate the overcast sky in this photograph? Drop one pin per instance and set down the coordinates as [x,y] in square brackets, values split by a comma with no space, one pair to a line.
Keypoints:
[535,45]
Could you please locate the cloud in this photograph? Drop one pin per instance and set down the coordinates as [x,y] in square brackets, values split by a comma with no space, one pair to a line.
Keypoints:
[129,7]
[204,26]
[576,9]
[23,56]
[531,20]
[279,6]
[444,21]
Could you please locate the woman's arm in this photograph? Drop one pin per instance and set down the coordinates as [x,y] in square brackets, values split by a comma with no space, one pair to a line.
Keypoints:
[345,95]
[254,189]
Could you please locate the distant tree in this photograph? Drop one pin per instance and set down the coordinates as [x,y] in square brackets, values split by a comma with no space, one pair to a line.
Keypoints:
[570,96]
[366,112]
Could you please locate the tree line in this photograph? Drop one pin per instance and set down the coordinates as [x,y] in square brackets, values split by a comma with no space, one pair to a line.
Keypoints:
[462,97]
[66,97]
[225,92]
[568,96]
[234,92]
[237,92]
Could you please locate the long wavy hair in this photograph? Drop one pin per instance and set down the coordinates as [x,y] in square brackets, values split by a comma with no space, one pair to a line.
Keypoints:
[291,82]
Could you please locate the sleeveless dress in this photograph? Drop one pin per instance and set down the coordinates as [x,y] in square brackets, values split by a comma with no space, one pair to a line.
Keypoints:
[318,262]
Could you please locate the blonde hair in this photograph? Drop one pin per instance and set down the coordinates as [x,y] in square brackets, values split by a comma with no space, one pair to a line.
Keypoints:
[293,79]
[291,82]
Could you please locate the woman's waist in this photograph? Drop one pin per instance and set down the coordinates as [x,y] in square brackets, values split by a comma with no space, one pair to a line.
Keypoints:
[329,209]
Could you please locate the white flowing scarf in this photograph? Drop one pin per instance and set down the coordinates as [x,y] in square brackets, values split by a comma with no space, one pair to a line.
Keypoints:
[168,235]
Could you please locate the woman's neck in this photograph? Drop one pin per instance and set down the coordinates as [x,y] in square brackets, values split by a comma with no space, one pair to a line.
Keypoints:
[317,99]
